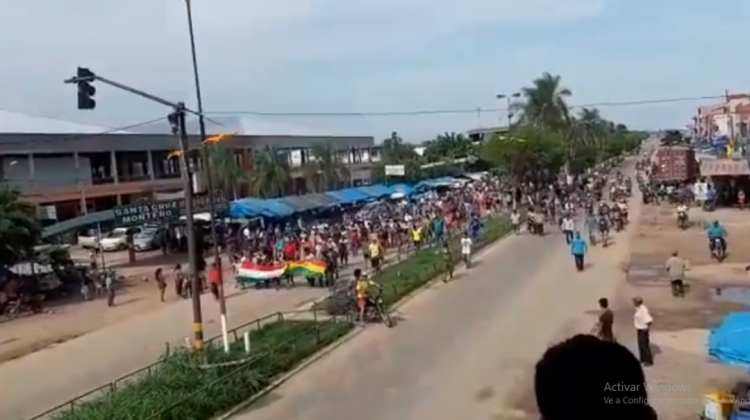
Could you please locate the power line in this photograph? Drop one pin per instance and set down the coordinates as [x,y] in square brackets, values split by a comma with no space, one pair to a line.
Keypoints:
[460,110]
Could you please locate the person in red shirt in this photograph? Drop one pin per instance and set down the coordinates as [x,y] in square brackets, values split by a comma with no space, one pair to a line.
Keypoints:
[214,279]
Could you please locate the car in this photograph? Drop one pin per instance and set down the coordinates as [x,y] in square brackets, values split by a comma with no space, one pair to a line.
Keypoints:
[147,239]
[117,240]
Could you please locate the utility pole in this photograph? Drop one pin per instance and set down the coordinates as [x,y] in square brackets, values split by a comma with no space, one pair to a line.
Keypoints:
[508,106]
[207,164]
[177,121]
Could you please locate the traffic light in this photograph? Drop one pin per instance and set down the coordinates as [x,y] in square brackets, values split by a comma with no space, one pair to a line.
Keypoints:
[86,91]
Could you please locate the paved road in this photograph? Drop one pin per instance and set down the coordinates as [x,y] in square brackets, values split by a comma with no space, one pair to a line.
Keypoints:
[77,366]
[464,349]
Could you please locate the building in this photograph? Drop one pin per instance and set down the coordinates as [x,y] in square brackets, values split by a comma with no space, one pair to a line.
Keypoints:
[479,135]
[729,118]
[76,169]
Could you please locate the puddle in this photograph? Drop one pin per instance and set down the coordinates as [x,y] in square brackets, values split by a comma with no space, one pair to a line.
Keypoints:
[733,294]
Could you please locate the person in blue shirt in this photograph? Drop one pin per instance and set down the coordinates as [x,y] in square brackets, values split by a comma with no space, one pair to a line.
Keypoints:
[578,248]
[717,231]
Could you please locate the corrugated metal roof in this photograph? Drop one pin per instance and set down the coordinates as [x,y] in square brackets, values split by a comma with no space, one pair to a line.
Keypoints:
[16,122]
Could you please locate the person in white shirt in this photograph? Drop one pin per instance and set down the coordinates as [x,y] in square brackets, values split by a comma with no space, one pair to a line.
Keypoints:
[466,244]
[642,321]
[568,226]
[515,220]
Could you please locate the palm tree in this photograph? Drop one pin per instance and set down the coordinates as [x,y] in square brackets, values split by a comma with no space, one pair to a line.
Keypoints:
[269,176]
[544,103]
[19,229]
[325,171]
[227,172]
[592,126]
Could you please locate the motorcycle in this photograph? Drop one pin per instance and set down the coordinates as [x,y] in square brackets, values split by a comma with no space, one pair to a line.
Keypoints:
[619,223]
[535,228]
[682,220]
[14,307]
[718,250]
[375,310]
[604,232]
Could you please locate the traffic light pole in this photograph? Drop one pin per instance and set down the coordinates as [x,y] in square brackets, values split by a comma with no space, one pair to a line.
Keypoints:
[179,128]
[210,180]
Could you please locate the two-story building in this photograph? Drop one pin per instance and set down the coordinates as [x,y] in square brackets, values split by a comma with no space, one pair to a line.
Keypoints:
[729,118]
[77,169]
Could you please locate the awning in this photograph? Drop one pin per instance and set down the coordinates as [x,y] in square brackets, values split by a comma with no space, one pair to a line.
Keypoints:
[348,195]
[725,167]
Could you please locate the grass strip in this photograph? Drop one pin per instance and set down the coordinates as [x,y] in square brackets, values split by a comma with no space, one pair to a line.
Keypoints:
[184,388]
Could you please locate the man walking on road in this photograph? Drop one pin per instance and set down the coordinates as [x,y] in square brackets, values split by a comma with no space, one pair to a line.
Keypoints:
[642,321]
[603,328]
[676,268]
[568,226]
[578,248]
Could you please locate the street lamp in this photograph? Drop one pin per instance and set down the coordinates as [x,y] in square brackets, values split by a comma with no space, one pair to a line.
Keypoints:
[209,178]
[508,100]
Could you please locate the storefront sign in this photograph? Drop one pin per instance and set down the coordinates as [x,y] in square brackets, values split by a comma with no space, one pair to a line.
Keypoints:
[164,211]
[724,167]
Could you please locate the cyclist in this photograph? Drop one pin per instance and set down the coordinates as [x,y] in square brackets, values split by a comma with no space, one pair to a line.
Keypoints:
[362,285]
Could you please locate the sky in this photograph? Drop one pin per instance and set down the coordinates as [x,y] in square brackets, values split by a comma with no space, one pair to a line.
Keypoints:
[344,56]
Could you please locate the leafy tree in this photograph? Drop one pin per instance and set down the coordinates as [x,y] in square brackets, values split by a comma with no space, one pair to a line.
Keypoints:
[394,150]
[270,173]
[449,146]
[227,172]
[326,171]
[532,154]
[19,228]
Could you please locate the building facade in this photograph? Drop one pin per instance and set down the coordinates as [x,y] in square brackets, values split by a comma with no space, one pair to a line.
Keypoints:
[729,118]
[74,174]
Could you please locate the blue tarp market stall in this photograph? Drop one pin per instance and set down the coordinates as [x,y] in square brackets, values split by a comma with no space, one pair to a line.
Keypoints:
[728,343]
[376,191]
[349,195]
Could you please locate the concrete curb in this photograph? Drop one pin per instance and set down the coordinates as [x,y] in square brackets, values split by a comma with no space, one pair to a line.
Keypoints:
[285,377]
[339,342]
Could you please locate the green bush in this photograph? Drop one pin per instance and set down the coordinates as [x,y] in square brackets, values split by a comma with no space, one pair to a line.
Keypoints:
[190,386]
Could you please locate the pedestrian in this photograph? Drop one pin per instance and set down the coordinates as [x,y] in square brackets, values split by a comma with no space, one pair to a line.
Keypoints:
[568,226]
[676,269]
[109,285]
[592,226]
[604,326]
[578,249]
[179,278]
[161,283]
[642,320]
[214,279]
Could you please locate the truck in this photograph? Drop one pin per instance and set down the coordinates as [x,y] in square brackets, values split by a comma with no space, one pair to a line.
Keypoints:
[674,164]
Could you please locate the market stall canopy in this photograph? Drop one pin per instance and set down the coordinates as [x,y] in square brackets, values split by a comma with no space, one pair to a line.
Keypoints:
[725,167]
[728,342]
[349,195]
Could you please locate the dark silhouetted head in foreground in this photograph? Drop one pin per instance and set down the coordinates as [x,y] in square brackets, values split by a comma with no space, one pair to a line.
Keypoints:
[587,378]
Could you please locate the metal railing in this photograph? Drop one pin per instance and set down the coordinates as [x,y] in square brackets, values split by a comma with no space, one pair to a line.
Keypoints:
[236,334]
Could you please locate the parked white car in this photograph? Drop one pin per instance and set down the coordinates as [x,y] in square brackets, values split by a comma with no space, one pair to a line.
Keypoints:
[117,240]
